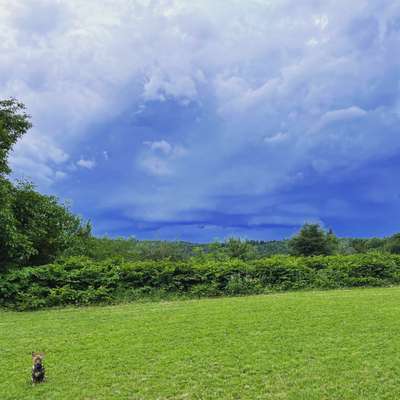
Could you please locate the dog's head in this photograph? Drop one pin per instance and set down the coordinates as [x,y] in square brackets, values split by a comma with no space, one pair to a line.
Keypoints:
[37,358]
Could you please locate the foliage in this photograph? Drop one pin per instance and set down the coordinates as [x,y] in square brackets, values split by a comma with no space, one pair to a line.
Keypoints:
[79,280]
[131,249]
[14,122]
[268,248]
[392,244]
[360,245]
[313,240]
[240,249]
[14,246]
[36,228]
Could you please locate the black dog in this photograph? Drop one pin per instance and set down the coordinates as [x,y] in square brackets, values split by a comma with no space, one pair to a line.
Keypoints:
[37,368]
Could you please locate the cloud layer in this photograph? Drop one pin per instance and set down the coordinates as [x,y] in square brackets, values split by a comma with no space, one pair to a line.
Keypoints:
[197,120]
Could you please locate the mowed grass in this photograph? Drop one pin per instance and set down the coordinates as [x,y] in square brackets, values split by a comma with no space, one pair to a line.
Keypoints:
[311,345]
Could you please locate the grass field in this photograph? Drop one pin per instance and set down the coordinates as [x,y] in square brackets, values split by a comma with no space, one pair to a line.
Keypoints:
[311,345]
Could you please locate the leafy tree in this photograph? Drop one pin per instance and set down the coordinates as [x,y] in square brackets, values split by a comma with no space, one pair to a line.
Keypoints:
[14,247]
[332,242]
[376,244]
[366,245]
[237,248]
[393,244]
[359,245]
[269,248]
[14,122]
[313,240]
[36,228]
[132,249]
[345,246]
[161,250]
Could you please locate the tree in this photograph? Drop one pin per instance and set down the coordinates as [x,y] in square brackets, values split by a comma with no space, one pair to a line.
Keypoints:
[393,244]
[14,248]
[313,240]
[345,246]
[237,248]
[36,229]
[366,245]
[359,245]
[332,242]
[14,122]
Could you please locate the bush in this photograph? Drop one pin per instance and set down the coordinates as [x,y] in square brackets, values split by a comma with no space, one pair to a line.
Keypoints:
[241,285]
[79,280]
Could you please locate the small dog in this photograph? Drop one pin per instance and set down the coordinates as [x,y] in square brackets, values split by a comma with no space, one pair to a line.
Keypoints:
[37,368]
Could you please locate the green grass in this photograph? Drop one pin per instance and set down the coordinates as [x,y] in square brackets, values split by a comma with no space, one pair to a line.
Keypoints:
[311,345]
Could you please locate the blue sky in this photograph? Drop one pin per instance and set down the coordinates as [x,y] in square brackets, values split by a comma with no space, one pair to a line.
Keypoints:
[200,120]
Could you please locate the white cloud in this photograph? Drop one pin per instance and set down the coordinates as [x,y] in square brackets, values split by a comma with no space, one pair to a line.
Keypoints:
[342,115]
[60,175]
[160,87]
[41,148]
[88,164]
[38,158]
[156,166]
[321,21]
[276,138]
[159,158]
[161,145]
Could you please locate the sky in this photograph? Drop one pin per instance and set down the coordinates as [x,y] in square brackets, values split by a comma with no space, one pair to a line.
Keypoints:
[202,120]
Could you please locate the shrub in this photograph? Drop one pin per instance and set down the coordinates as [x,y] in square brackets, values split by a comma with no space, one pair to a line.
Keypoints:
[240,285]
[79,280]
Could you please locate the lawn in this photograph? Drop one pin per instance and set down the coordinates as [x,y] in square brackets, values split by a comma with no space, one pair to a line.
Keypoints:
[310,345]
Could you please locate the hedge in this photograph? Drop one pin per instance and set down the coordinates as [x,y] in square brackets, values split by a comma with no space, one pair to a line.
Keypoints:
[79,280]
